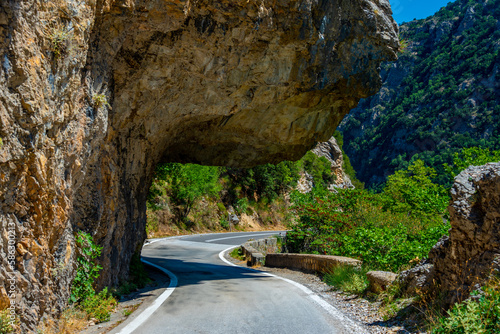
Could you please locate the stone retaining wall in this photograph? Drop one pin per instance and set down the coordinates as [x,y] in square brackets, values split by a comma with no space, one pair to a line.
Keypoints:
[254,250]
[309,262]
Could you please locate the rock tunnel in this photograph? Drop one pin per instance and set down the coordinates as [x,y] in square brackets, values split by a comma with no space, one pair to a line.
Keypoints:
[230,83]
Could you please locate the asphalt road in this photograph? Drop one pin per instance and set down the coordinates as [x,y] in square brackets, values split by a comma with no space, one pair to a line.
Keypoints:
[214,297]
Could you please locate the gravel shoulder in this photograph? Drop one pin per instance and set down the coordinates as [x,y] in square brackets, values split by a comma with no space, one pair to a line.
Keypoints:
[356,308]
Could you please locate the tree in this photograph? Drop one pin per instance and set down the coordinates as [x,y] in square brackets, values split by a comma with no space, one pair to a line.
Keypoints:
[188,183]
[411,190]
[472,156]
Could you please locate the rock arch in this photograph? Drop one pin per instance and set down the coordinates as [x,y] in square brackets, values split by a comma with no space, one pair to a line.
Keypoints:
[134,83]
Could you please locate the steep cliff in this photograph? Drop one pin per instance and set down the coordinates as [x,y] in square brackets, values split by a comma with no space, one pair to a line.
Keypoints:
[442,94]
[95,93]
[461,262]
[330,150]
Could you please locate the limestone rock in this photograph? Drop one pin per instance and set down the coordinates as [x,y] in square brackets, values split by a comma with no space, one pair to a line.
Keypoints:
[331,151]
[380,280]
[93,94]
[461,262]
[416,280]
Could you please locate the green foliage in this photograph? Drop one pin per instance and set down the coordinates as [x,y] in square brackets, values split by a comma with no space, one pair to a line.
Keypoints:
[99,306]
[439,97]
[473,156]
[187,184]
[5,322]
[478,316]
[87,270]
[59,37]
[237,253]
[264,181]
[347,278]
[323,218]
[1,143]
[224,223]
[347,167]
[100,100]
[354,223]
[412,191]
[318,167]
[242,205]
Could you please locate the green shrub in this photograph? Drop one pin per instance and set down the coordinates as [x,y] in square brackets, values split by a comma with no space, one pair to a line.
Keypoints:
[221,207]
[347,278]
[5,322]
[352,223]
[59,38]
[99,306]
[242,205]
[475,316]
[224,223]
[87,270]
[237,253]
[100,100]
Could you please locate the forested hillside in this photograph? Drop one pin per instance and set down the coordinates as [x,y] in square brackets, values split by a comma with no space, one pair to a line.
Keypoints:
[443,94]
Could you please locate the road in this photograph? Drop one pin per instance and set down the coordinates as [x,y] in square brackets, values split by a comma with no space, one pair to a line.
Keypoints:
[214,297]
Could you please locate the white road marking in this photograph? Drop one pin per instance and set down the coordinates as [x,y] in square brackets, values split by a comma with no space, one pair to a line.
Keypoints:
[243,236]
[355,327]
[141,318]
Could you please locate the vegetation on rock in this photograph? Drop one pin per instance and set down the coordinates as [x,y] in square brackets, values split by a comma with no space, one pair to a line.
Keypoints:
[439,97]
[83,294]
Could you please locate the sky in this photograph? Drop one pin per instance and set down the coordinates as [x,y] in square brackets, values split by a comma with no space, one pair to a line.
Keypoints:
[407,10]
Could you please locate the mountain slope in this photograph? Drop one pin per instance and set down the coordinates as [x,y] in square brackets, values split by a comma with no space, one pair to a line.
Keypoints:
[441,95]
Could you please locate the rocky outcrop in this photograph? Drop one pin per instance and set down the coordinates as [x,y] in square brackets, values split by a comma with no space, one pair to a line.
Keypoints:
[461,262]
[331,151]
[95,93]
[434,96]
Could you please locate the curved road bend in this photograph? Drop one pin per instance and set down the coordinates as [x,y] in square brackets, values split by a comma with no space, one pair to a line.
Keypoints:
[213,297]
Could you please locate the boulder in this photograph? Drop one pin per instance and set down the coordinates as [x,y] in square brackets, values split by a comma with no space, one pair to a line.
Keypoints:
[380,280]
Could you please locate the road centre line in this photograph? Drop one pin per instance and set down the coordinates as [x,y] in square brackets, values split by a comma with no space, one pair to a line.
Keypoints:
[251,235]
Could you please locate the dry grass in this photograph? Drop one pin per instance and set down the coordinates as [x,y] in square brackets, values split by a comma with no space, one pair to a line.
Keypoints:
[72,321]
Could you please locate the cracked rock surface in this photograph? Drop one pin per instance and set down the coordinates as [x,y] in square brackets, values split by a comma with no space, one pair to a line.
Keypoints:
[93,94]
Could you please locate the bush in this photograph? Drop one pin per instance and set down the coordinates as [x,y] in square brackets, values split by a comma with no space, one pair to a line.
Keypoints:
[99,306]
[352,223]
[348,279]
[237,253]
[5,322]
[87,270]
[475,316]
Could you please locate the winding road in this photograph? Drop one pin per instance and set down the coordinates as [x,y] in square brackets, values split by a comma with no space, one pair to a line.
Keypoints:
[212,296]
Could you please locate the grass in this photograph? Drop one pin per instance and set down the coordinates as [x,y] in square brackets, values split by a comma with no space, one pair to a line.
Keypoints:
[72,320]
[237,254]
[348,279]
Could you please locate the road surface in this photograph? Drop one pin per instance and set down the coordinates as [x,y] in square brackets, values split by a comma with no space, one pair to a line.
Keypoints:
[214,297]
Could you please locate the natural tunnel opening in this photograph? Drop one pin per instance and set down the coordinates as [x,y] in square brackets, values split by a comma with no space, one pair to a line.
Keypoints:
[232,94]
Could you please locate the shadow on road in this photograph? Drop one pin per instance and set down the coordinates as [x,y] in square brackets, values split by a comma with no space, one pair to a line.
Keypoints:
[191,273]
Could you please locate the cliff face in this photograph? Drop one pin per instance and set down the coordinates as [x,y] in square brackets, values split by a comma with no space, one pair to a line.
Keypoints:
[94,94]
[330,150]
[463,261]
[441,95]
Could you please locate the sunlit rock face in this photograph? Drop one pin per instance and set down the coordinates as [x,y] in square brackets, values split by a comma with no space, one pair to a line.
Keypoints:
[95,93]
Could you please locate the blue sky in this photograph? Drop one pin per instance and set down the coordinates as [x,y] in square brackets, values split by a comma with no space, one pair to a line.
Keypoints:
[407,10]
